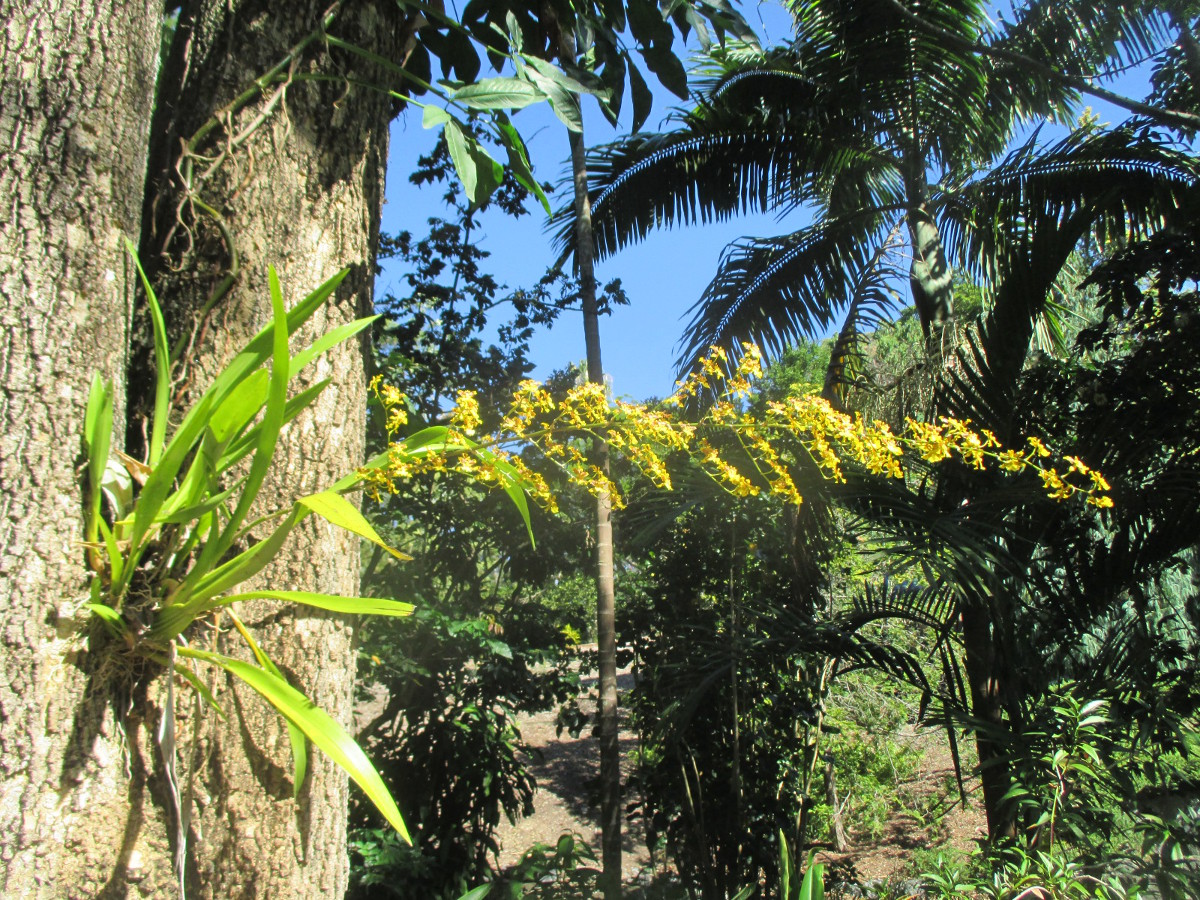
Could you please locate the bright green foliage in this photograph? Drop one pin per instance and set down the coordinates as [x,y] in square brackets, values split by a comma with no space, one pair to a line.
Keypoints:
[792,886]
[530,38]
[175,535]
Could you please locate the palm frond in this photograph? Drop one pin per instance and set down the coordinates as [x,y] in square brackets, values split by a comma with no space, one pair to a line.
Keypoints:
[702,174]
[1082,37]
[933,606]
[873,299]
[774,290]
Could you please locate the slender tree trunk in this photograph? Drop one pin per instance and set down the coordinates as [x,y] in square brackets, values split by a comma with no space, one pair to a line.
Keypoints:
[606,629]
[986,705]
[840,842]
[293,179]
[76,80]
[931,278]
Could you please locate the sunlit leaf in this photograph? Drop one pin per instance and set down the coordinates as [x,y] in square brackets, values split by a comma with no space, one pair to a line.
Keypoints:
[320,728]
[335,508]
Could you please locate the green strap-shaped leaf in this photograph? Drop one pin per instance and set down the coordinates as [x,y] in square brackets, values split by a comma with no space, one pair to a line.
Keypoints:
[341,512]
[367,606]
[162,364]
[247,442]
[201,688]
[295,735]
[268,433]
[227,576]
[320,728]
[237,409]
[158,485]
[813,885]
[97,432]
[328,341]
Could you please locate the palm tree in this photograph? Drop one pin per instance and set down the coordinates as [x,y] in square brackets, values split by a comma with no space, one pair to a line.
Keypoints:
[882,127]
[879,128]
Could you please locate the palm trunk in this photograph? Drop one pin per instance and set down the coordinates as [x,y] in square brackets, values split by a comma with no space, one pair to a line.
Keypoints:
[931,278]
[606,630]
[986,705]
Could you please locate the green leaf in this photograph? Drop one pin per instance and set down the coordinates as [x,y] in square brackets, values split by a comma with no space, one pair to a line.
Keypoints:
[201,688]
[484,889]
[518,160]
[328,341]
[667,66]
[785,868]
[464,162]
[498,93]
[158,485]
[108,615]
[116,561]
[240,406]
[162,364]
[434,117]
[188,513]
[366,606]
[317,725]
[247,441]
[643,99]
[563,102]
[295,735]
[335,508]
[249,562]
[490,173]
[813,886]
[261,347]
[97,433]
[268,430]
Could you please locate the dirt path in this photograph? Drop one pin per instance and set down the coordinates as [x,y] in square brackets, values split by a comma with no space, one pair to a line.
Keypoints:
[567,769]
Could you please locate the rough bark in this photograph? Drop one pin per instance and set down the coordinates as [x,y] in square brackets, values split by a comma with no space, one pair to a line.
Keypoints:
[76,81]
[293,179]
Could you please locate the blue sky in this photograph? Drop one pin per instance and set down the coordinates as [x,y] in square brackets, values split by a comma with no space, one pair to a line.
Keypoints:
[662,276]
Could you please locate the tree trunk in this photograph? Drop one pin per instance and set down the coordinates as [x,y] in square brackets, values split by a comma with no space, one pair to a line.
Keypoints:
[606,628]
[983,679]
[76,80]
[294,179]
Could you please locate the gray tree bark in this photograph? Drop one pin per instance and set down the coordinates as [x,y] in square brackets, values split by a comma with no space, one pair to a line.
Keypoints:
[76,82]
[293,175]
[293,179]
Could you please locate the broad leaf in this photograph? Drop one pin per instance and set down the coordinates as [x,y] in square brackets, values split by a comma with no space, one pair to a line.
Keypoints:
[295,735]
[320,728]
[335,508]
[498,93]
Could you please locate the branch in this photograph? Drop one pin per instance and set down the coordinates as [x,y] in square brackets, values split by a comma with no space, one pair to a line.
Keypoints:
[1169,117]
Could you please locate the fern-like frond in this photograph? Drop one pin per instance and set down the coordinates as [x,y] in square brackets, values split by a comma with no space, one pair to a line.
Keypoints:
[772,291]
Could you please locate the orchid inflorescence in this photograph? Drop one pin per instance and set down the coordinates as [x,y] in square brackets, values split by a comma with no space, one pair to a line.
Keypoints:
[769,436]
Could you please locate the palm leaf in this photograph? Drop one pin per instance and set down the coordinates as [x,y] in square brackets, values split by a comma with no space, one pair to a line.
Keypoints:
[774,291]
